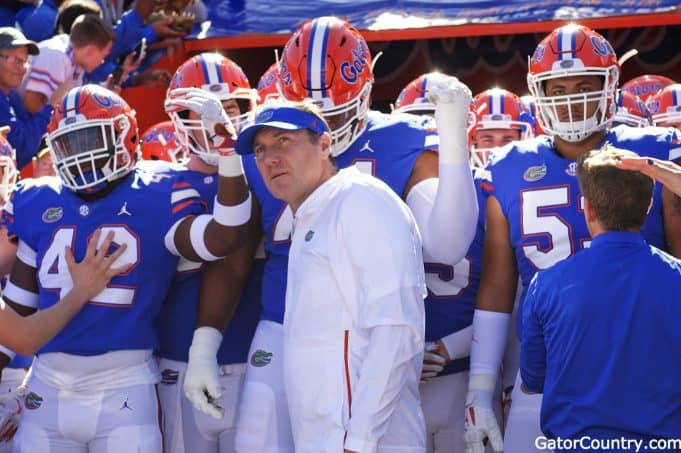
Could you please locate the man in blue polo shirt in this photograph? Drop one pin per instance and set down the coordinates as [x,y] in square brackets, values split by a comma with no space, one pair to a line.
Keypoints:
[26,129]
[600,329]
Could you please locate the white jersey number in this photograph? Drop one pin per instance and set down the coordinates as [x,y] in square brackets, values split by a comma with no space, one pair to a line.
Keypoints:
[445,281]
[54,272]
[538,221]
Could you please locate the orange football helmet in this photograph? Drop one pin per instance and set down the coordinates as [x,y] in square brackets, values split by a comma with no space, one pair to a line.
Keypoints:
[8,169]
[665,106]
[631,110]
[570,51]
[267,85]
[160,142]
[413,97]
[327,61]
[225,79]
[496,108]
[647,86]
[93,138]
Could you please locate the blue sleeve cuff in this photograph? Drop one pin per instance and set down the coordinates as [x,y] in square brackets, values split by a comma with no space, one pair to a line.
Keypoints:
[149,33]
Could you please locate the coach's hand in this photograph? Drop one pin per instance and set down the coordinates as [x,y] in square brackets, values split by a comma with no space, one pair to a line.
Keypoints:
[480,420]
[201,384]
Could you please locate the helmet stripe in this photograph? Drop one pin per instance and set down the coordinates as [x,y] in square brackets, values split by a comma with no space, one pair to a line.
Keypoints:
[316,57]
[677,96]
[210,71]
[567,41]
[424,86]
[496,103]
[70,104]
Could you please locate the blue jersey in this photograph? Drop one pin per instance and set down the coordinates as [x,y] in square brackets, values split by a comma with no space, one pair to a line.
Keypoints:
[603,349]
[452,289]
[139,210]
[387,149]
[539,195]
[177,320]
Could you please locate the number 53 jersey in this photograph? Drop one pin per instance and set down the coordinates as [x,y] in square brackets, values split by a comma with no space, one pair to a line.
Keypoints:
[47,218]
[539,195]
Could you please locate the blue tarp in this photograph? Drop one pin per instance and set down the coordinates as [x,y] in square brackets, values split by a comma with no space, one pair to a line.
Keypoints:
[239,17]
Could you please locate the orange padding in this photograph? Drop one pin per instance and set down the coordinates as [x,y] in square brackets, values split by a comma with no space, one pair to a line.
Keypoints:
[148,103]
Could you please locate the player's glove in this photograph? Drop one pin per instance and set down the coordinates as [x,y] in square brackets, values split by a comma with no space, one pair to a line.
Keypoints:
[221,132]
[480,420]
[10,411]
[452,99]
[433,362]
[201,384]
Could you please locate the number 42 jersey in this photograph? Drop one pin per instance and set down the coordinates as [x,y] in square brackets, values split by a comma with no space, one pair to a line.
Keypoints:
[46,218]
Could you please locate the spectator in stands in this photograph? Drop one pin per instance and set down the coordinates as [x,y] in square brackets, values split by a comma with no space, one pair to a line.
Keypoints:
[64,59]
[130,30]
[10,8]
[69,12]
[37,23]
[26,129]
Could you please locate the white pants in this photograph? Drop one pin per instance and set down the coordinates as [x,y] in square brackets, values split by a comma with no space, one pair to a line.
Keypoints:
[11,379]
[112,421]
[264,425]
[98,404]
[186,429]
[443,400]
[522,427]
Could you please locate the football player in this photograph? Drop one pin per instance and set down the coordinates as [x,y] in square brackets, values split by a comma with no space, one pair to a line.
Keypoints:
[92,386]
[647,86]
[327,62]
[497,118]
[665,107]
[15,372]
[160,142]
[631,110]
[186,428]
[534,213]
[414,96]
[267,85]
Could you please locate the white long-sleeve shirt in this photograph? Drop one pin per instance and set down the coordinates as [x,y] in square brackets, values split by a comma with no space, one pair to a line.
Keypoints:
[354,322]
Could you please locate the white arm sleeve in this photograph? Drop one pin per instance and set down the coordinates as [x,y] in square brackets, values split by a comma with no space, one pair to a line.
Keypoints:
[458,344]
[446,211]
[391,357]
[490,330]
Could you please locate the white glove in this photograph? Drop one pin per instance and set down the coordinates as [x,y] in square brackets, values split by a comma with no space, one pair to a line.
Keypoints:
[10,411]
[480,420]
[452,99]
[433,362]
[201,384]
[213,117]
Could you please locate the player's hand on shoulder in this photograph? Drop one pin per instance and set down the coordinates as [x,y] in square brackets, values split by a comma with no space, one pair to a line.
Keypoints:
[449,90]
[96,270]
[10,411]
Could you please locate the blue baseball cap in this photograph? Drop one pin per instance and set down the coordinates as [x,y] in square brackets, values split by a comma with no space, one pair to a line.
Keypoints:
[287,118]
